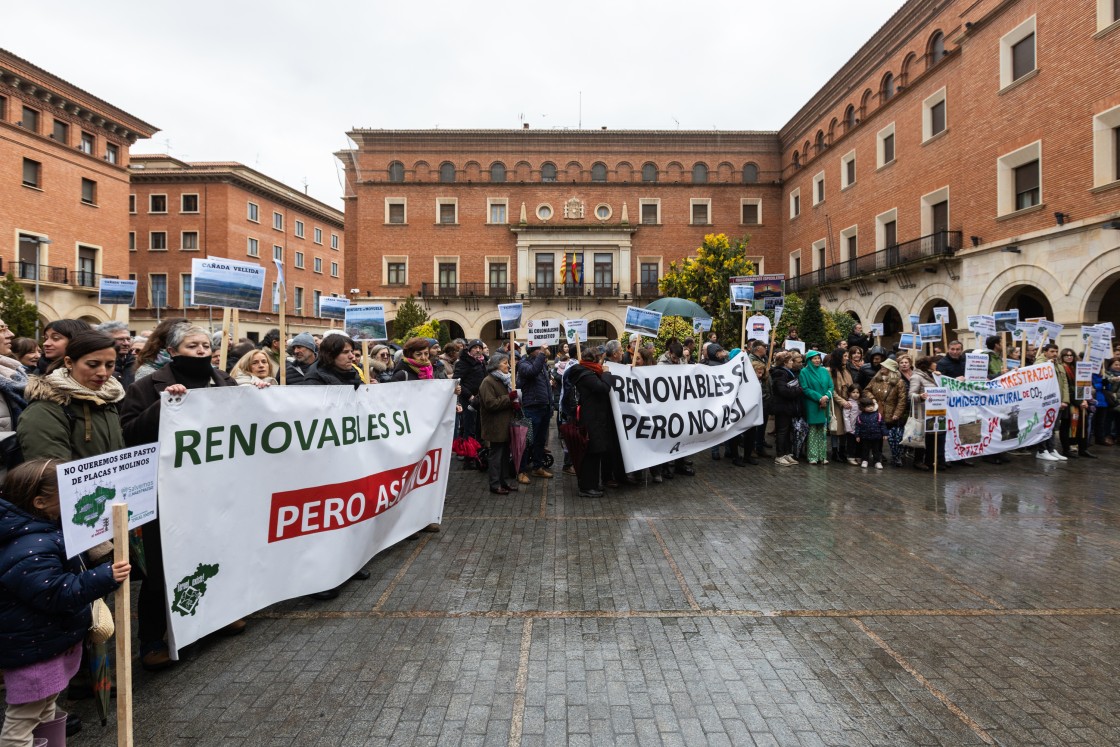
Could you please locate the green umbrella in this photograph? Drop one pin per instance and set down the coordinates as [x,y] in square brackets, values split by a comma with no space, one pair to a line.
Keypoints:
[679,307]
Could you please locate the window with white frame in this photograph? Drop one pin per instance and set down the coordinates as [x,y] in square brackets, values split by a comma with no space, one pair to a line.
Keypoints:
[884,146]
[849,249]
[334,269]
[278,252]
[253,212]
[497,211]
[318,265]
[396,212]
[795,203]
[299,229]
[188,203]
[278,221]
[131,241]
[818,188]
[820,254]
[318,234]
[935,212]
[447,211]
[253,248]
[1017,53]
[298,299]
[1106,146]
[650,209]
[795,263]
[299,260]
[188,241]
[157,241]
[157,203]
[848,169]
[1019,179]
[1108,13]
[334,241]
[185,289]
[750,210]
[396,270]
[700,211]
[886,229]
[934,120]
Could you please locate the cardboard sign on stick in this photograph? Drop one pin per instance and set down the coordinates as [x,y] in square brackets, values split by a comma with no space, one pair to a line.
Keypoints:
[88,487]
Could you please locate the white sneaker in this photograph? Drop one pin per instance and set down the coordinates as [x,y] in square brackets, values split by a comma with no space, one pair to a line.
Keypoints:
[787,461]
[780,461]
[791,459]
[854,462]
[1058,456]
[1045,456]
[878,465]
[863,464]
[824,461]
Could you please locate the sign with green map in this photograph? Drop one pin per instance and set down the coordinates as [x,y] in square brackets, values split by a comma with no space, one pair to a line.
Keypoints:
[88,487]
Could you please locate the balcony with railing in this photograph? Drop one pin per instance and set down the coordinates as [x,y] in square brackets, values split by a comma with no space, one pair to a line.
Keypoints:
[574,290]
[87,279]
[42,273]
[646,290]
[935,246]
[467,290]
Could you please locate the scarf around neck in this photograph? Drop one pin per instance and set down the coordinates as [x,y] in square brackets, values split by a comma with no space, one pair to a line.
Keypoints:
[424,372]
[505,378]
[63,383]
[596,368]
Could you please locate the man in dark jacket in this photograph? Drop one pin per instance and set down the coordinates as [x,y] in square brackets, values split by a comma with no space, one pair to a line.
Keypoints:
[536,402]
[303,351]
[952,363]
[470,370]
[858,338]
[124,371]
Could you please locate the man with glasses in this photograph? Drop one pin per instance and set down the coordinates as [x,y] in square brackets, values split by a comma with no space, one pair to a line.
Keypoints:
[124,371]
[303,351]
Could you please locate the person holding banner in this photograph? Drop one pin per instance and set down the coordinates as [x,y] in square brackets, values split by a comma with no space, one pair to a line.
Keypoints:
[952,363]
[497,404]
[188,367]
[816,385]
[45,606]
[920,380]
[154,356]
[255,369]
[594,414]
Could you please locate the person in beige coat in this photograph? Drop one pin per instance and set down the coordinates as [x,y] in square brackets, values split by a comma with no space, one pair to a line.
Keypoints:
[888,389]
[921,380]
[841,383]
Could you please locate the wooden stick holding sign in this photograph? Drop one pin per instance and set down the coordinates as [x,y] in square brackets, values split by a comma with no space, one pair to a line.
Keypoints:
[227,315]
[365,359]
[637,347]
[770,353]
[512,363]
[122,614]
[579,353]
[743,332]
[234,326]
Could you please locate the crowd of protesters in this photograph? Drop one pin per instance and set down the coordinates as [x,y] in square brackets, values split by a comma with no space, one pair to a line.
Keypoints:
[87,391]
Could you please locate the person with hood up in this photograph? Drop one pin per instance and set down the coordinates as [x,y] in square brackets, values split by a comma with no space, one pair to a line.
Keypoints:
[45,602]
[816,385]
[498,402]
[875,358]
[889,391]
[303,350]
[870,430]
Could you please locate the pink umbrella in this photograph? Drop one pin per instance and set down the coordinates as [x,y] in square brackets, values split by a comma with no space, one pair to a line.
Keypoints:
[518,435]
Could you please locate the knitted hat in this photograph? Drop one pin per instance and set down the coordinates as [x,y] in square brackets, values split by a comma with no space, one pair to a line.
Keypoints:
[474,344]
[303,340]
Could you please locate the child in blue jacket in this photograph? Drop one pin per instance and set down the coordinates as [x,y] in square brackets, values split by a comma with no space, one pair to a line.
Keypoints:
[870,432]
[44,601]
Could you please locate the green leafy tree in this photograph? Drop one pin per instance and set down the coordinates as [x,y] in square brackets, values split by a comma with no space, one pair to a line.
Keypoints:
[444,335]
[16,311]
[794,307]
[812,329]
[706,279]
[409,315]
[671,326]
[429,329]
[844,322]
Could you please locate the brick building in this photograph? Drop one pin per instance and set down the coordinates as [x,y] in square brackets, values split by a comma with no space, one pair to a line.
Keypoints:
[64,154]
[180,211]
[465,219]
[966,156]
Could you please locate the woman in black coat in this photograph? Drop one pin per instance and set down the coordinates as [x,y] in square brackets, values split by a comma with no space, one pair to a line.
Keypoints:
[787,405]
[335,365]
[189,368]
[470,370]
[596,418]
[415,363]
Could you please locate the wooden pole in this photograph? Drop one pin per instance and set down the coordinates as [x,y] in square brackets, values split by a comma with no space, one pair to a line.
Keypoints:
[743,332]
[579,354]
[224,357]
[936,454]
[283,337]
[1023,352]
[770,353]
[122,619]
[1003,342]
[235,325]
[637,347]
[512,364]
[365,359]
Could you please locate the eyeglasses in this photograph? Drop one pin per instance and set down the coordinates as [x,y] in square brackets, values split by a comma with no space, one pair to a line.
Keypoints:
[382,355]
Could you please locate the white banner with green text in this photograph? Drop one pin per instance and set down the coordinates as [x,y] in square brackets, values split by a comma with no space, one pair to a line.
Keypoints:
[666,412]
[269,494]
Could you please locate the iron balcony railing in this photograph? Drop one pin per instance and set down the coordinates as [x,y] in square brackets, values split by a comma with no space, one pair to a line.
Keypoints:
[940,244]
[87,279]
[43,273]
[646,290]
[574,290]
[466,290]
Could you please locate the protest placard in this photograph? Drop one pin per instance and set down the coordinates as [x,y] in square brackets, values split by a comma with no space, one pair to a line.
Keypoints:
[798,345]
[1098,351]
[983,325]
[701,324]
[1083,380]
[767,291]
[333,307]
[975,367]
[227,283]
[543,332]
[1012,411]
[941,314]
[641,321]
[876,329]
[380,457]
[87,487]
[909,341]
[665,412]
[1006,320]
[1050,331]
[915,320]
[366,322]
[936,415]
[758,328]
[510,316]
[778,314]
[112,291]
[572,327]
[930,332]
[742,294]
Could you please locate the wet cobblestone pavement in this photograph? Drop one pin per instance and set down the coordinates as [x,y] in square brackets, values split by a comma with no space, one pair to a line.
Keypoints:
[744,606]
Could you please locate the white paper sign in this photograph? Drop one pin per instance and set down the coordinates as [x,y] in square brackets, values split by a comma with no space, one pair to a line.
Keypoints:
[742,294]
[112,291]
[510,315]
[877,329]
[333,307]
[543,332]
[226,283]
[778,314]
[798,345]
[87,488]
[338,474]
[572,327]
[975,367]
[1050,331]
[701,324]
[984,325]
[941,314]
[642,322]
[936,400]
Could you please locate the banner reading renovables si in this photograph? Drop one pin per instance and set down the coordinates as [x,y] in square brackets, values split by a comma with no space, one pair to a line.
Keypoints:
[268,494]
[1009,412]
[666,412]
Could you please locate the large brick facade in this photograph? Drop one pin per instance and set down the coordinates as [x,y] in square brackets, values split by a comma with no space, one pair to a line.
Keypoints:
[64,155]
[182,211]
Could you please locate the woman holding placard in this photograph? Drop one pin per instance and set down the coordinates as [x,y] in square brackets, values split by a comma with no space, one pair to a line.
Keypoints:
[920,380]
[1081,409]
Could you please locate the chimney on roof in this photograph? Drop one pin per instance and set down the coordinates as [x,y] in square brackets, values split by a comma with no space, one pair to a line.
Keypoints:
[524,125]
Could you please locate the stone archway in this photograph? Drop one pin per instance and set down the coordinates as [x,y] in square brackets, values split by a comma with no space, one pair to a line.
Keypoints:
[853,315]
[926,313]
[1029,300]
[891,319]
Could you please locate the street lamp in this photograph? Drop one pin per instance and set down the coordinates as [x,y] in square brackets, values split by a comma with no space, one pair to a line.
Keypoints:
[38,242]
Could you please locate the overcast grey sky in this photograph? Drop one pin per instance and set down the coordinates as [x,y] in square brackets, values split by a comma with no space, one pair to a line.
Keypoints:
[276,85]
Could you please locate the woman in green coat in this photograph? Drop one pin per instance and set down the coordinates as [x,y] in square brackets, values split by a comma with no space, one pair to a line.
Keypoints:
[72,410]
[816,383]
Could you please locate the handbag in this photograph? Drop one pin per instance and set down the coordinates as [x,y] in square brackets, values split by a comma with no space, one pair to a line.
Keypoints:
[101,628]
[914,434]
[835,424]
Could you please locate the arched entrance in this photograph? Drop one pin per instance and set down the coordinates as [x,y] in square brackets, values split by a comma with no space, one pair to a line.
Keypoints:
[927,313]
[1030,301]
[891,320]
[1107,298]
[601,329]
[454,329]
[854,315]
